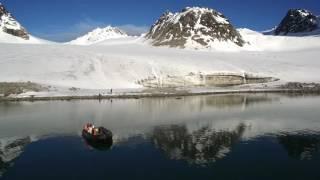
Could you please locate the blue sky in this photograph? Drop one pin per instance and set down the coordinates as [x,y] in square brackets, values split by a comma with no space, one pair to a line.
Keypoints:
[63,20]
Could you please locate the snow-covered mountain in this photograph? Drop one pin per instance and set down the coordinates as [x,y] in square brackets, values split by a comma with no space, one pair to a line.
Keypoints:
[11,26]
[99,35]
[132,62]
[194,27]
[11,31]
[298,21]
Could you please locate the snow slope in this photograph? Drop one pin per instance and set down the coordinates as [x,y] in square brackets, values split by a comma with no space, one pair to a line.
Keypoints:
[315,32]
[120,65]
[99,35]
[11,31]
[8,38]
[260,42]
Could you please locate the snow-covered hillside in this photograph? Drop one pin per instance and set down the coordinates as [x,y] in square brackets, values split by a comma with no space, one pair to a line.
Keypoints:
[8,38]
[99,35]
[126,64]
[260,42]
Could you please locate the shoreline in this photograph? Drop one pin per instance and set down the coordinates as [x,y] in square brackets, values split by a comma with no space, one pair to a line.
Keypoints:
[157,95]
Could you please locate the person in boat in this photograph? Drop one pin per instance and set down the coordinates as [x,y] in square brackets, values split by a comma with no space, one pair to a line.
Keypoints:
[86,127]
[96,131]
[91,129]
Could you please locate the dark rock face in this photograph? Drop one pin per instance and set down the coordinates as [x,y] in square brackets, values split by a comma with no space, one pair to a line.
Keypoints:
[297,20]
[20,33]
[9,25]
[193,25]
[3,10]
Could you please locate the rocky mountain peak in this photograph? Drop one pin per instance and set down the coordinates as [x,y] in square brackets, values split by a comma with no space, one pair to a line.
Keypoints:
[193,25]
[297,21]
[11,26]
[2,10]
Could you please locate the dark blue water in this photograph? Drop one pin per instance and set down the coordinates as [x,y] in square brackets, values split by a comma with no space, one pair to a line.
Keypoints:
[208,137]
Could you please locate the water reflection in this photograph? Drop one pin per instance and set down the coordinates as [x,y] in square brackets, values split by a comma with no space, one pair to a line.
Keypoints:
[302,146]
[244,101]
[199,147]
[101,147]
[10,149]
[124,117]
[199,131]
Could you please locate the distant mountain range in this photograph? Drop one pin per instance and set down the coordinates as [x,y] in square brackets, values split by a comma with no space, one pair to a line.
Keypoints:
[193,27]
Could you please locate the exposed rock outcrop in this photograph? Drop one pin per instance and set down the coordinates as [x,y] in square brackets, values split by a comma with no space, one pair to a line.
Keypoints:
[297,21]
[11,26]
[200,26]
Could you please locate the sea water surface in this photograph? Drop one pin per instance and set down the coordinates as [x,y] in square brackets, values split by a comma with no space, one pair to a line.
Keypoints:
[248,136]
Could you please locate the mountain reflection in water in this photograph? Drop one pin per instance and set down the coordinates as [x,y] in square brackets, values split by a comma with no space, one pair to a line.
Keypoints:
[185,134]
[300,145]
[200,147]
[10,149]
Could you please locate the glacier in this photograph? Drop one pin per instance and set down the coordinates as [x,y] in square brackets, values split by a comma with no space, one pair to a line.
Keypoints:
[122,63]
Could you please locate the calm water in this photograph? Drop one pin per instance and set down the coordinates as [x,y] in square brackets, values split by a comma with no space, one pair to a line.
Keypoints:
[260,136]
